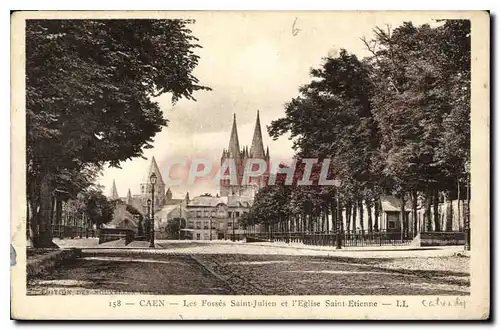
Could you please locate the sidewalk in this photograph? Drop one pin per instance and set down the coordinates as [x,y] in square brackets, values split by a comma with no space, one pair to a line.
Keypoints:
[372,251]
[276,248]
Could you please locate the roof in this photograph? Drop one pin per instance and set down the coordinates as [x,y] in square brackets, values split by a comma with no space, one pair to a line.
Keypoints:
[207,201]
[240,201]
[120,213]
[231,201]
[176,201]
[392,204]
[166,210]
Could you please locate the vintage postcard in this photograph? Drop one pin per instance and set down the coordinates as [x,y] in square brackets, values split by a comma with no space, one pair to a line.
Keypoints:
[250,165]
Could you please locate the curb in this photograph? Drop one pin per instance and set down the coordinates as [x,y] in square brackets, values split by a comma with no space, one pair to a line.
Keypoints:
[344,249]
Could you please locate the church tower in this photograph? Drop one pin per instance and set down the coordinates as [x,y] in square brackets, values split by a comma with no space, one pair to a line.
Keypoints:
[257,152]
[159,186]
[232,152]
[114,192]
[129,198]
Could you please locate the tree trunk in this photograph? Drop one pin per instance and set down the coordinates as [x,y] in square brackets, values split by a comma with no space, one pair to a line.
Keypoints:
[333,211]
[458,206]
[370,219]
[340,218]
[354,216]
[449,212]
[361,216]
[435,205]
[44,233]
[402,217]
[323,221]
[327,212]
[377,207]
[32,224]
[414,205]
[304,222]
[347,217]
[428,217]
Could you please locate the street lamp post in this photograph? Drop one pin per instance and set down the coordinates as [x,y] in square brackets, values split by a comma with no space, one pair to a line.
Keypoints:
[147,231]
[180,220]
[210,218]
[152,179]
[180,228]
[233,216]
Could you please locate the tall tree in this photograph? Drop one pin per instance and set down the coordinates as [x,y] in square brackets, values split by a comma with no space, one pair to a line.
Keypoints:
[89,95]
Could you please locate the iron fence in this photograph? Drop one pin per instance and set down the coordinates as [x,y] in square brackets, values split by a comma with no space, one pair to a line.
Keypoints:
[64,231]
[359,238]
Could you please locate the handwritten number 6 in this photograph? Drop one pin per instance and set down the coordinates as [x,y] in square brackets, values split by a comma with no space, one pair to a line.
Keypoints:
[295,31]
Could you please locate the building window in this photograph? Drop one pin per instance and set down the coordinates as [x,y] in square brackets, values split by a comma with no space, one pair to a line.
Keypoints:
[207,214]
[229,224]
[205,225]
[213,214]
[237,214]
[198,214]
[190,225]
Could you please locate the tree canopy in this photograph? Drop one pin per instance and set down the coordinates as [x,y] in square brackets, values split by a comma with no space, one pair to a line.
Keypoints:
[396,122]
[90,88]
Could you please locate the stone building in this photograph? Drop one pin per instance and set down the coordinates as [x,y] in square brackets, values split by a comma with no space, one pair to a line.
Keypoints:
[216,217]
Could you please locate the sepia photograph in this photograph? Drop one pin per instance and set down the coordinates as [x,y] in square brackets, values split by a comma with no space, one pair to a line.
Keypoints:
[185,162]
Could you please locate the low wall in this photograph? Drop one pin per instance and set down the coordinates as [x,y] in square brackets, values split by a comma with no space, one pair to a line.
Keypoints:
[113,234]
[441,238]
[250,239]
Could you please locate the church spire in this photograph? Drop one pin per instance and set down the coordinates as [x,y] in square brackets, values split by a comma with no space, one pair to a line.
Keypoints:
[129,197]
[257,148]
[114,191]
[234,144]
[153,168]
[168,194]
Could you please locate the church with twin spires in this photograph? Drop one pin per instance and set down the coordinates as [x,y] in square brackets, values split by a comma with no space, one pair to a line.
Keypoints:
[240,157]
[234,199]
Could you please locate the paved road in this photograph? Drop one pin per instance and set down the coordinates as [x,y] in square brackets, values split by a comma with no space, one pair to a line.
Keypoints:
[190,268]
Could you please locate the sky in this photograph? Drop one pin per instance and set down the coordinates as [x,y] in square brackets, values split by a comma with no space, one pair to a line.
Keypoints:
[252,61]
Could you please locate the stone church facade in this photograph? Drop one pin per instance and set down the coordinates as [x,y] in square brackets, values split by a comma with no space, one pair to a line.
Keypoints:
[241,158]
